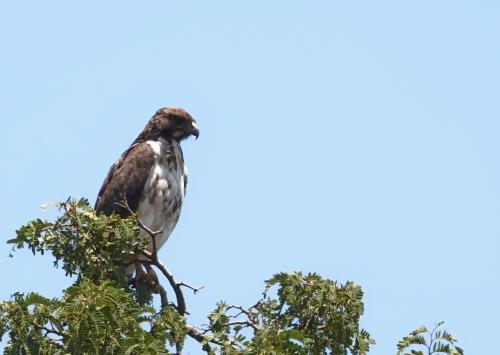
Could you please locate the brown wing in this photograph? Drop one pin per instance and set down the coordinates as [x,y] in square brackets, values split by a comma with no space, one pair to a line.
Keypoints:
[126,180]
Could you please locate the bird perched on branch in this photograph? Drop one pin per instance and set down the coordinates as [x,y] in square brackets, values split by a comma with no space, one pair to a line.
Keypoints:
[150,177]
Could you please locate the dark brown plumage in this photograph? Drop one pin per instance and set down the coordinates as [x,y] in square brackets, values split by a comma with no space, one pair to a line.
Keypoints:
[125,181]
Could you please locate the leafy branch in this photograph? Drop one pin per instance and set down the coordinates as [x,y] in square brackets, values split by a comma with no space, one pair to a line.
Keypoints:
[107,312]
[435,341]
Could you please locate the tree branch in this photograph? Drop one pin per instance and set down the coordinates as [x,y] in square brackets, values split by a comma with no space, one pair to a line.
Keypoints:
[202,338]
[49,330]
[252,321]
[176,286]
[194,289]
[153,260]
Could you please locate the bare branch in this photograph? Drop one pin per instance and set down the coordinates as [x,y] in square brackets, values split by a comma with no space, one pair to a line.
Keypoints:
[181,303]
[201,337]
[251,317]
[244,322]
[48,330]
[194,289]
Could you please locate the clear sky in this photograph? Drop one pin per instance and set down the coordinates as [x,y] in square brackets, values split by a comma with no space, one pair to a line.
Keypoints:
[359,140]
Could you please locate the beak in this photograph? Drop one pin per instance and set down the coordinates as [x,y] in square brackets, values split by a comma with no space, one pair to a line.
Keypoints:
[195,132]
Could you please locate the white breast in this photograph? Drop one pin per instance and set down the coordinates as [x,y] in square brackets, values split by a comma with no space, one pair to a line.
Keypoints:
[160,207]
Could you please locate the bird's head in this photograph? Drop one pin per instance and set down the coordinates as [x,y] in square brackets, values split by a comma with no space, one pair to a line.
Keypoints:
[172,123]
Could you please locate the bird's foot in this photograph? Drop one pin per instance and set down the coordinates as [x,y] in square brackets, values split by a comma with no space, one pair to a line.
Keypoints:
[146,279]
[152,280]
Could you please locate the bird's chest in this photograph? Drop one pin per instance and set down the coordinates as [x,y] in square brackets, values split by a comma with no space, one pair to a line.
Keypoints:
[164,190]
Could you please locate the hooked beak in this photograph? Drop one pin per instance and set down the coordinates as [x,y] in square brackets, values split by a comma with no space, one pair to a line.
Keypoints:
[195,132]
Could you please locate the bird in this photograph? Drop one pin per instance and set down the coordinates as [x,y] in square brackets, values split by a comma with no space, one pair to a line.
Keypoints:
[150,178]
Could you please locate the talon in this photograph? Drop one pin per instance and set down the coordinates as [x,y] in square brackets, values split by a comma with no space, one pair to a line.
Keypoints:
[153,283]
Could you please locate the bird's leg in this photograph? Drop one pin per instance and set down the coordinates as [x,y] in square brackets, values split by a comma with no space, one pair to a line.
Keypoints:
[147,278]
[152,279]
[140,276]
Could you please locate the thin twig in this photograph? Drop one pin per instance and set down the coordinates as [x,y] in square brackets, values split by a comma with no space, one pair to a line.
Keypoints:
[48,330]
[247,312]
[139,222]
[194,289]
[244,322]
[200,337]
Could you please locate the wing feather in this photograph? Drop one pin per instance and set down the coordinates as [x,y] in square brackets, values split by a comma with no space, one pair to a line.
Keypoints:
[126,180]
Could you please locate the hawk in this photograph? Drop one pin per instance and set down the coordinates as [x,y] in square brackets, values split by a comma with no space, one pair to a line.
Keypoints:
[150,177]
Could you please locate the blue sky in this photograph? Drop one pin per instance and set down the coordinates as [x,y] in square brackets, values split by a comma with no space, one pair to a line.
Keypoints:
[359,140]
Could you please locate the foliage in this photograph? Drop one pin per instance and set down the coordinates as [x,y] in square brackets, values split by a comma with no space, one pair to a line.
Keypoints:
[435,341]
[85,243]
[310,316]
[89,319]
[103,313]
